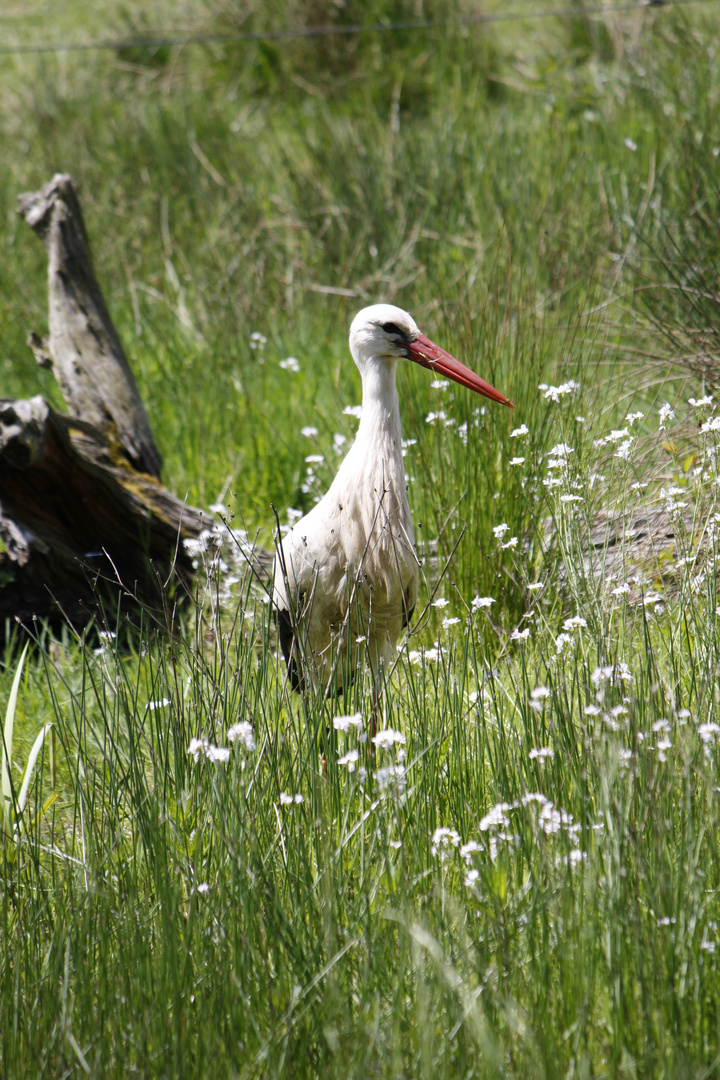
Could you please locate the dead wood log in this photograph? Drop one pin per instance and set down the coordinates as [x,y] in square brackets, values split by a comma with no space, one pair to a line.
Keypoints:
[87,356]
[638,545]
[75,527]
[83,515]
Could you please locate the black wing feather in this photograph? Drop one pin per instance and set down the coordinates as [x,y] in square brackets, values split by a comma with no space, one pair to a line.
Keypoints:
[287,643]
[407,614]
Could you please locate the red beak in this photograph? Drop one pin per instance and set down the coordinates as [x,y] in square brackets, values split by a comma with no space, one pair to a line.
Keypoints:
[425,352]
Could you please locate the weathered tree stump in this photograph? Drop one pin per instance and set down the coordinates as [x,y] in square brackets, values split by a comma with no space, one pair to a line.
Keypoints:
[83,515]
[87,357]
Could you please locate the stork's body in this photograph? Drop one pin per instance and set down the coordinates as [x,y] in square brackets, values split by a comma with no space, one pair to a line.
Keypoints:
[348,569]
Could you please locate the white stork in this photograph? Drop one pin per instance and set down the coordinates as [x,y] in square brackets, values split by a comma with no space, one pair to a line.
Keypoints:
[348,569]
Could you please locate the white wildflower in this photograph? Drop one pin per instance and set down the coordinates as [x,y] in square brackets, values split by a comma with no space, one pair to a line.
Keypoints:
[622,672]
[520,635]
[552,820]
[661,746]
[517,461]
[481,602]
[344,723]
[389,777]
[518,431]
[602,674]
[444,838]
[624,757]
[350,759]
[309,432]
[533,797]
[496,817]
[242,732]
[441,602]
[216,754]
[666,413]
[631,145]
[385,738]
[701,402]
[561,450]
[554,393]
[449,621]
[633,416]
[500,530]
[571,498]
[540,692]
[353,410]
[541,753]
[290,364]
[197,747]
[512,542]
[203,888]
[576,620]
[621,590]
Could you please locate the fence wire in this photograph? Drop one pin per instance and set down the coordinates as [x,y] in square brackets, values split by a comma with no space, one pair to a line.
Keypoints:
[156,42]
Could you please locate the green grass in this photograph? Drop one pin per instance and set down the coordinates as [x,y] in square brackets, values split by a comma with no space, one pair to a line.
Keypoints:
[486,180]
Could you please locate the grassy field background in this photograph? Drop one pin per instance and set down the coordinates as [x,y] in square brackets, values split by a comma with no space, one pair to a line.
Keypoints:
[523,880]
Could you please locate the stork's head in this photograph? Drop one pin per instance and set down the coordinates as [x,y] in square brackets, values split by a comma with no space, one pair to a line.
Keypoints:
[384,334]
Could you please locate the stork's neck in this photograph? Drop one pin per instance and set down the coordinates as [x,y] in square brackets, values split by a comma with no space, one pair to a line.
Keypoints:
[379,429]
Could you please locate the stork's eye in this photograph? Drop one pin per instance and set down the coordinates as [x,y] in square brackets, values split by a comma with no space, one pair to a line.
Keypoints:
[391,328]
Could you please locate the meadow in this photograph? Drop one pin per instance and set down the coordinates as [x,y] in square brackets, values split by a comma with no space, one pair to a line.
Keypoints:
[214,876]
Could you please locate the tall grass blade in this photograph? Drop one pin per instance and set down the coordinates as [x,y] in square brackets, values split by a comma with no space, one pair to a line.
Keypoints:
[34,754]
[7,792]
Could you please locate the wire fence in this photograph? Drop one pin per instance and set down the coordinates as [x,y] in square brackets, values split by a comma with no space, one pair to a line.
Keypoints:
[156,42]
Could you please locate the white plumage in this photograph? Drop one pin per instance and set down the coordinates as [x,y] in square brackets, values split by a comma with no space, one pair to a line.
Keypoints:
[348,569]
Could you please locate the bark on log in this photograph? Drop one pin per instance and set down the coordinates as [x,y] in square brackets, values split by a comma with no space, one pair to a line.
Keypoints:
[76,527]
[88,358]
[83,516]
